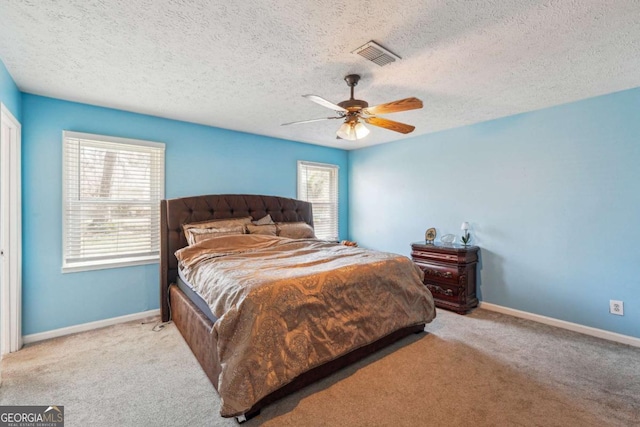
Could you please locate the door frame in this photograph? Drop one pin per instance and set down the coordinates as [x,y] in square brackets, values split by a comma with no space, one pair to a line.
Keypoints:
[11,218]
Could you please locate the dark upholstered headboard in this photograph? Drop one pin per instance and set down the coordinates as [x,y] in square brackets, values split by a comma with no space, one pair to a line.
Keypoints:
[176,212]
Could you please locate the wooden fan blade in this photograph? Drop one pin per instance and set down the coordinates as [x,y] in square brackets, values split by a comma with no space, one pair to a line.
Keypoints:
[310,120]
[325,103]
[389,124]
[394,107]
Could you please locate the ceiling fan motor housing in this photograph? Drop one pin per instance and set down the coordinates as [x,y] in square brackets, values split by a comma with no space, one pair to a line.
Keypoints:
[353,104]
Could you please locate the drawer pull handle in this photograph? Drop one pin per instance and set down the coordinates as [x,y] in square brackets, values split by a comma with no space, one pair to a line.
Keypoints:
[446,274]
[439,290]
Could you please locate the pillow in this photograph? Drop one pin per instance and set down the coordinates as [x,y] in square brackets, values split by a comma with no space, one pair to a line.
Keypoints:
[197,235]
[266,229]
[221,222]
[295,230]
[214,224]
[264,220]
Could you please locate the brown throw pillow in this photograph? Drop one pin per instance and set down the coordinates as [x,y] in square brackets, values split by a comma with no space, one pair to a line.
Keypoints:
[264,220]
[266,229]
[295,230]
[198,235]
[214,224]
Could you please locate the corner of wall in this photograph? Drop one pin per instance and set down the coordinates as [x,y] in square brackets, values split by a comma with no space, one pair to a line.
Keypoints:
[10,95]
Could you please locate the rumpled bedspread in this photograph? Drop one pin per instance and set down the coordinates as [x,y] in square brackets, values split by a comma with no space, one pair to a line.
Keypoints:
[285,306]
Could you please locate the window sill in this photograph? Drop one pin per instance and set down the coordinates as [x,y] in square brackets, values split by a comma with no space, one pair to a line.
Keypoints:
[102,265]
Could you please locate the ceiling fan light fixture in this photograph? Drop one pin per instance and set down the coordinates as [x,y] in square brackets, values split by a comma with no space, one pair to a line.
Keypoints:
[360,130]
[352,131]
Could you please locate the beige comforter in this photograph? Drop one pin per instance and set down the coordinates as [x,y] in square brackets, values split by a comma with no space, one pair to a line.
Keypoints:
[285,306]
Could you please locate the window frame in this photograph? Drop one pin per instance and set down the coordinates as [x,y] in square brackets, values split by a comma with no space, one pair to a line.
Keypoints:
[112,262]
[335,169]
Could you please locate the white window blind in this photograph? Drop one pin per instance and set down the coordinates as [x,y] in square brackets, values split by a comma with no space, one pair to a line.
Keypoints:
[112,189]
[318,184]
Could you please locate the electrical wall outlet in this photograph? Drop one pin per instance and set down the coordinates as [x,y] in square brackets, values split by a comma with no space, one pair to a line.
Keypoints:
[616,307]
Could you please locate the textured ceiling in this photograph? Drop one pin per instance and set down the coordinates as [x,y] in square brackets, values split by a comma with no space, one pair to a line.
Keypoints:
[244,65]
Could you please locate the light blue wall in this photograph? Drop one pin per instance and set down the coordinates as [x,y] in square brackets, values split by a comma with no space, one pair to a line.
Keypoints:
[10,95]
[199,160]
[553,198]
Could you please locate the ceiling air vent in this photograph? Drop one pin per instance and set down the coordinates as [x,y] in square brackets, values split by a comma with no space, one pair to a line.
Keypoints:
[376,53]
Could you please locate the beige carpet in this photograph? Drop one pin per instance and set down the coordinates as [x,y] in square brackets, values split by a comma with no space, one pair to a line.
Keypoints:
[483,369]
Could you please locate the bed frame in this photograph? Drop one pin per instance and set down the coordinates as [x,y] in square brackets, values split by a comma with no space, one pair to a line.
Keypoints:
[192,323]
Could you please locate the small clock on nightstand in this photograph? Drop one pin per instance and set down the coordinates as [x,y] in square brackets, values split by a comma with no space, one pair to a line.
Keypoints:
[430,235]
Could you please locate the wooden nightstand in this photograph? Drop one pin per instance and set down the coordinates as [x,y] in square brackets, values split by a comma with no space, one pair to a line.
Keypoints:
[449,273]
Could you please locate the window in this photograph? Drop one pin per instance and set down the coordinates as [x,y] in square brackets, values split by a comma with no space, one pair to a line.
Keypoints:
[318,184]
[112,189]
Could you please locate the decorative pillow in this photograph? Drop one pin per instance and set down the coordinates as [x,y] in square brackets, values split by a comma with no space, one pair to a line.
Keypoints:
[264,220]
[197,235]
[268,229]
[295,230]
[221,222]
[214,224]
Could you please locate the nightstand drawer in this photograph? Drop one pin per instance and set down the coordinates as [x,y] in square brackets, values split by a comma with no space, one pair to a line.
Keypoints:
[443,291]
[432,256]
[438,272]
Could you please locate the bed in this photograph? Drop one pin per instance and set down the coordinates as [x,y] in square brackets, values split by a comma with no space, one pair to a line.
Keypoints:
[211,334]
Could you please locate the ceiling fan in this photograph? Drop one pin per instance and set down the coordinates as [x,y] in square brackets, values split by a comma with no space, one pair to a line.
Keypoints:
[356,111]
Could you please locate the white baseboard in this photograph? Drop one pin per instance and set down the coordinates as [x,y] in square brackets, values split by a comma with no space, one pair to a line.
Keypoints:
[28,339]
[587,330]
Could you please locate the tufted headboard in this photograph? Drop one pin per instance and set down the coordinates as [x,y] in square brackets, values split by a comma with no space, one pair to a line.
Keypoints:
[176,212]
